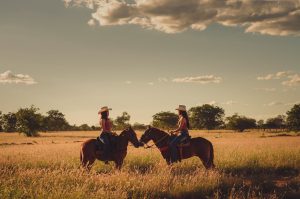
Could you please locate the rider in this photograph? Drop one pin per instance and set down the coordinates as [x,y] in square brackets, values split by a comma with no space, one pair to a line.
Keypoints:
[183,126]
[106,125]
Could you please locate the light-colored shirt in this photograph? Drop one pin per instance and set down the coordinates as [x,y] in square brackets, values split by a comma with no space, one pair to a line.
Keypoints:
[182,124]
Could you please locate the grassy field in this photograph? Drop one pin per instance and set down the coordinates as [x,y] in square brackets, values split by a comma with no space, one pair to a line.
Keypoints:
[249,165]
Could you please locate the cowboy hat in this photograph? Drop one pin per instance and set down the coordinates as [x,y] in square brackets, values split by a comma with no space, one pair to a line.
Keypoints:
[181,108]
[103,109]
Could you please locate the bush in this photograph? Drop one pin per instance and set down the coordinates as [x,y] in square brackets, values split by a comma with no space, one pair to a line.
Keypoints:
[240,123]
[293,118]
[29,121]
[165,120]
[206,116]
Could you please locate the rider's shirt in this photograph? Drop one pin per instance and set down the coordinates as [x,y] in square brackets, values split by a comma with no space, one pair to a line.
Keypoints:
[106,125]
[182,124]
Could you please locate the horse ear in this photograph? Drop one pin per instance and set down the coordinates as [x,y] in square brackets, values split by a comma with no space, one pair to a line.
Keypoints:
[128,128]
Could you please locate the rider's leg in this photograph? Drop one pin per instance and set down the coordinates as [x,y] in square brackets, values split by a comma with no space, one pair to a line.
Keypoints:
[106,147]
[173,149]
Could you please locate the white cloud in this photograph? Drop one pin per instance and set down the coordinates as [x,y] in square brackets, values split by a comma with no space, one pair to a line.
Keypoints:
[215,103]
[91,22]
[277,75]
[163,79]
[274,103]
[230,102]
[128,82]
[173,16]
[150,83]
[293,80]
[9,77]
[205,79]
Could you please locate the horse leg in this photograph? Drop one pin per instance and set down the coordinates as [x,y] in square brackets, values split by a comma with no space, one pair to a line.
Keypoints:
[87,160]
[90,163]
[204,156]
[119,164]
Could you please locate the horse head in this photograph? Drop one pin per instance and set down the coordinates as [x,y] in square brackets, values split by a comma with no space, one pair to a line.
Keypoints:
[147,136]
[153,134]
[130,134]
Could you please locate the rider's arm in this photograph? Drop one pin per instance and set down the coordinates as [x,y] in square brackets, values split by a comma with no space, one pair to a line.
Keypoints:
[180,127]
[103,125]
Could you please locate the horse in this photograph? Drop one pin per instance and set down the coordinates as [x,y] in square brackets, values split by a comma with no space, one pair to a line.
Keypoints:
[89,152]
[198,146]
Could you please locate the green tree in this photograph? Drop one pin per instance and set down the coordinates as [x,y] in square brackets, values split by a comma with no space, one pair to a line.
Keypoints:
[1,122]
[260,124]
[240,123]
[85,127]
[293,118]
[276,122]
[206,116]
[122,121]
[55,121]
[165,120]
[9,122]
[29,121]
[138,126]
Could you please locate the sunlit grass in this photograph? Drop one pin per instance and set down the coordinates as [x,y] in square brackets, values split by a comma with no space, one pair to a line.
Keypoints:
[248,166]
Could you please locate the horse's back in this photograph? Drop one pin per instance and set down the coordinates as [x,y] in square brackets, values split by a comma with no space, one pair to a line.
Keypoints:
[200,142]
[88,143]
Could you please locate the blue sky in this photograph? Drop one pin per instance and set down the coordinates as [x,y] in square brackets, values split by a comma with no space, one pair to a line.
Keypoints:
[76,59]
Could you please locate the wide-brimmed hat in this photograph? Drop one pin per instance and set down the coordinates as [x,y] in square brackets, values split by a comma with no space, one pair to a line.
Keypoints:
[104,108]
[181,108]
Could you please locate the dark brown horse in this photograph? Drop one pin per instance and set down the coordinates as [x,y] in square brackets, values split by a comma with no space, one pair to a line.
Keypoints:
[89,152]
[199,147]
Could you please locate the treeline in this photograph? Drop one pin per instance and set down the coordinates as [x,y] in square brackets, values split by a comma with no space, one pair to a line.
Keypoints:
[29,121]
[213,117]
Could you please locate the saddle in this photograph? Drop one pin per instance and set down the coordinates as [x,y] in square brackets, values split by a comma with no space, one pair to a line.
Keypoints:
[184,142]
[100,144]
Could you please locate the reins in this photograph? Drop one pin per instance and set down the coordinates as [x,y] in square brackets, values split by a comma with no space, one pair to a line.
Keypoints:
[161,139]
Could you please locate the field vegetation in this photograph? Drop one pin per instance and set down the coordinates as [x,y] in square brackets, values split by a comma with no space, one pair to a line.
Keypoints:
[249,165]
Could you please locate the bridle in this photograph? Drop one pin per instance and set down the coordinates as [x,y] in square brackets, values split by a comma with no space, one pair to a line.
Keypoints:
[155,143]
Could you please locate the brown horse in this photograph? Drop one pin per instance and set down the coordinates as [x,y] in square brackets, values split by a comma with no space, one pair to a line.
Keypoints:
[199,147]
[89,153]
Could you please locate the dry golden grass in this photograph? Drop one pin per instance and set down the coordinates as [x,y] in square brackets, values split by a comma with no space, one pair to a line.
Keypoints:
[248,166]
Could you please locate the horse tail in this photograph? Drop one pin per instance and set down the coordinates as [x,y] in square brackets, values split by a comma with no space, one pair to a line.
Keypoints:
[211,158]
[81,156]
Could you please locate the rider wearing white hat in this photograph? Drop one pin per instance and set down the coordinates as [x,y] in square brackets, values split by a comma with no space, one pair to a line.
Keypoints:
[182,130]
[106,125]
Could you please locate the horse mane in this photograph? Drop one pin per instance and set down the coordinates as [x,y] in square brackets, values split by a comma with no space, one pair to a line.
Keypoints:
[123,132]
[163,133]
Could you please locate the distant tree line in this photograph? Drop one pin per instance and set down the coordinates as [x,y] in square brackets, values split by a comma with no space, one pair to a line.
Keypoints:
[29,121]
[213,117]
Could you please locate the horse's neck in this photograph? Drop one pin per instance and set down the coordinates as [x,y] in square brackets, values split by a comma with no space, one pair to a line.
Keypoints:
[161,138]
[123,140]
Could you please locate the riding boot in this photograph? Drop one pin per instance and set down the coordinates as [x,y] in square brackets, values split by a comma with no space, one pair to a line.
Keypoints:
[174,157]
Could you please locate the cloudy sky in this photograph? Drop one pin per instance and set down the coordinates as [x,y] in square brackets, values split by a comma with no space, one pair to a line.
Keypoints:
[145,56]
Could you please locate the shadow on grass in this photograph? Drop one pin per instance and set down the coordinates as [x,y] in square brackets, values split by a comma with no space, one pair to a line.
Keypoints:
[248,171]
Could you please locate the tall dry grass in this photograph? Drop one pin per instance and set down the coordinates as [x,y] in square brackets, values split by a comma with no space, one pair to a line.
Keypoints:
[248,166]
